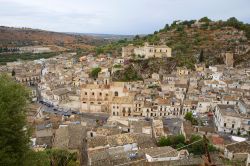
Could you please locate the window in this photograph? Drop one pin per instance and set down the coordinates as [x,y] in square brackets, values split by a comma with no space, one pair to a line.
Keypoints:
[86,93]
[113,113]
[225,125]
[232,125]
[93,93]
[116,93]
[100,94]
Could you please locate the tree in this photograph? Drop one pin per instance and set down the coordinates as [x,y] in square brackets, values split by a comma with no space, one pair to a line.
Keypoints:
[234,23]
[137,37]
[201,57]
[95,71]
[189,116]
[205,19]
[198,147]
[51,157]
[14,132]
[60,157]
[13,73]
[40,158]
[164,141]
[166,28]
[175,141]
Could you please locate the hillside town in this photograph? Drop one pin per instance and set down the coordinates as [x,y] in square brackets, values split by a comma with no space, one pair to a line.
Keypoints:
[76,105]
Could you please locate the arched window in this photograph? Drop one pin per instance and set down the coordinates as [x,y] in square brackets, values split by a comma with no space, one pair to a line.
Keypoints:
[129,112]
[116,93]
[123,112]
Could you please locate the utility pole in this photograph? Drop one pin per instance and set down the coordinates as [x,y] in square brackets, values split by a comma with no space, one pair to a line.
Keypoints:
[207,157]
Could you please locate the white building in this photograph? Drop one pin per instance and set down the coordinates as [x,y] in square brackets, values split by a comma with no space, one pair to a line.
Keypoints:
[229,120]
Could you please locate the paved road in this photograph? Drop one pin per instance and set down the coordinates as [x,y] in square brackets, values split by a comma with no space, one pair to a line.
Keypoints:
[99,116]
[90,116]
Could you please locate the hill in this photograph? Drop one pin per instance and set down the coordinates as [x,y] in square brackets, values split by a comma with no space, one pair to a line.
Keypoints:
[190,39]
[16,37]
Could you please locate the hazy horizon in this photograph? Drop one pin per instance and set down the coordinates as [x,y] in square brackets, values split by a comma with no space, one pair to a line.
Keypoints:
[124,17]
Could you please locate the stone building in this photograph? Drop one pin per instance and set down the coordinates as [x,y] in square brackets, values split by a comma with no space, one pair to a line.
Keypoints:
[97,97]
[229,120]
[147,51]
[122,106]
[229,59]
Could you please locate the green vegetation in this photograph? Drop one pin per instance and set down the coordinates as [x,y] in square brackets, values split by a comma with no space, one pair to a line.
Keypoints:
[113,48]
[117,66]
[198,147]
[188,61]
[205,19]
[233,22]
[174,141]
[178,142]
[4,58]
[14,132]
[189,116]
[201,57]
[128,74]
[57,157]
[189,44]
[95,71]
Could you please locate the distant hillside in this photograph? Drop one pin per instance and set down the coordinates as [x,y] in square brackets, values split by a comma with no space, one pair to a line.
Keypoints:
[112,37]
[14,37]
[190,39]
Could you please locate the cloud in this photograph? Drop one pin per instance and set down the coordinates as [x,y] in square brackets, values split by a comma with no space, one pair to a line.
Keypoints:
[114,16]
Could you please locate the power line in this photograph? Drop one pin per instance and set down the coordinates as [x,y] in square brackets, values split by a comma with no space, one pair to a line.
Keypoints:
[161,153]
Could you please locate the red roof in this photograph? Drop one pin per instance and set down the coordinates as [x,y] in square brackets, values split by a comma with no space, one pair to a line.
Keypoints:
[217,140]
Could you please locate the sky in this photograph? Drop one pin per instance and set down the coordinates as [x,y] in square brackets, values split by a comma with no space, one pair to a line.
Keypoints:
[128,17]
